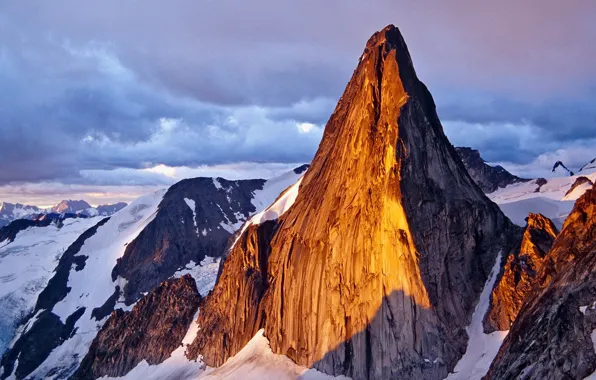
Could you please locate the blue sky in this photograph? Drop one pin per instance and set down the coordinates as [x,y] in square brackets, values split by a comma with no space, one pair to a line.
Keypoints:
[106,100]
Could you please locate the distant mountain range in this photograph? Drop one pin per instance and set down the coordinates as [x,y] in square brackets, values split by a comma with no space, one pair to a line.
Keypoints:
[491,178]
[13,211]
[588,168]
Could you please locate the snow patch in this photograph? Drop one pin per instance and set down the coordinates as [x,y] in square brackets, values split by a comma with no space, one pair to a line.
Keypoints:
[217,184]
[519,199]
[92,286]
[518,211]
[268,194]
[256,361]
[204,274]
[578,192]
[282,205]
[274,211]
[191,204]
[584,309]
[482,348]
[92,211]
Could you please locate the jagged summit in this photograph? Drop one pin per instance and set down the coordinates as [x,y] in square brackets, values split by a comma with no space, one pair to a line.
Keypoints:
[389,238]
[71,206]
[560,168]
[489,178]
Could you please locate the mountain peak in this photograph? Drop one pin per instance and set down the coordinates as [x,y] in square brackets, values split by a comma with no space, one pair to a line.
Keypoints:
[389,43]
[489,178]
[385,225]
[388,35]
[563,169]
[71,206]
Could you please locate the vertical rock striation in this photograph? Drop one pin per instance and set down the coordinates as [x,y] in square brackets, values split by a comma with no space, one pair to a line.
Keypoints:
[520,273]
[375,270]
[553,335]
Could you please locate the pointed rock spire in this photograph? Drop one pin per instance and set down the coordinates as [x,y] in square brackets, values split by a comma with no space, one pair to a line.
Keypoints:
[375,270]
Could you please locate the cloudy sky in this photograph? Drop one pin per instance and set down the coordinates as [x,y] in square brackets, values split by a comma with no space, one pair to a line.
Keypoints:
[105,100]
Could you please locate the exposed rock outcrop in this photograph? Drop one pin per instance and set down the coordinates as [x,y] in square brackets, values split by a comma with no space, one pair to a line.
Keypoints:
[540,182]
[489,178]
[107,210]
[151,331]
[301,169]
[375,270]
[194,220]
[520,273]
[560,168]
[588,167]
[579,182]
[553,335]
[10,231]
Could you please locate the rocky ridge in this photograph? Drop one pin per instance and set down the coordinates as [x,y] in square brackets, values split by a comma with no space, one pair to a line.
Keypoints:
[588,167]
[194,220]
[552,337]
[559,167]
[10,212]
[160,235]
[489,178]
[10,231]
[579,182]
[151,331]
[520,272]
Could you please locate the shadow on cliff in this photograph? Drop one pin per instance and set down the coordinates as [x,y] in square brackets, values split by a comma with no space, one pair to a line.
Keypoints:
[403,340]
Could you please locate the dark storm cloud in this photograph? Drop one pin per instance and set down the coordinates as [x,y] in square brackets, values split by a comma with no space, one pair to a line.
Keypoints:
[518,131]
[130,84]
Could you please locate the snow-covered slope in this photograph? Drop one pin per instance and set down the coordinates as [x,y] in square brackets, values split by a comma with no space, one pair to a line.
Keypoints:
[588,168]
[550,198]
[256,361]
[26,265]
[482,348]
[92,285]
[13,211]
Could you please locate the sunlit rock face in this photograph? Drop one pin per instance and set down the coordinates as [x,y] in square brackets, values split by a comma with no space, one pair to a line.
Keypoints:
[375,270]
[520,273]
[553,335]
